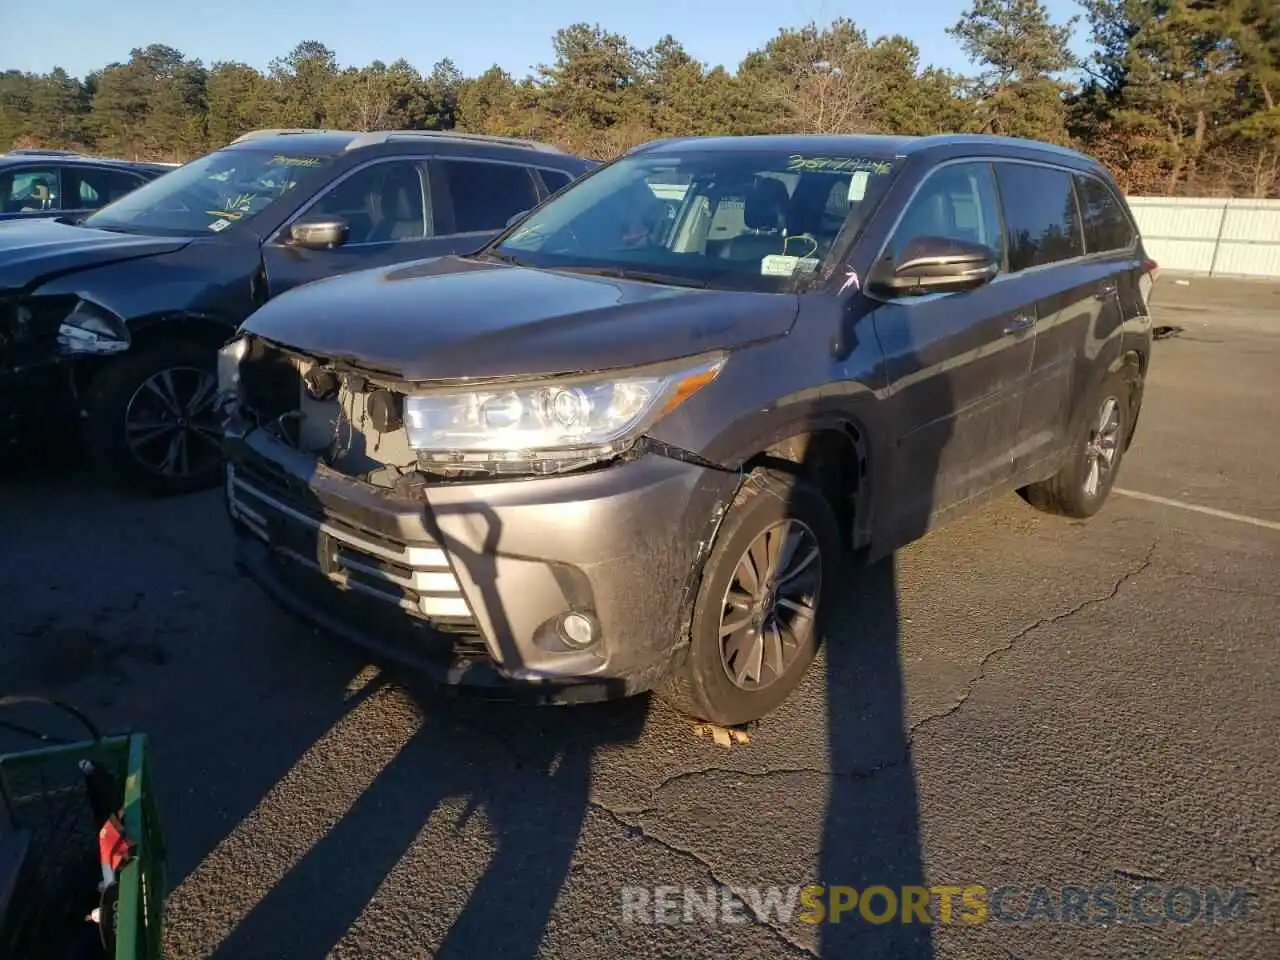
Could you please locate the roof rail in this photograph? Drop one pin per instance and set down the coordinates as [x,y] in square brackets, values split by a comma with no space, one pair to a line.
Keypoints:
[375,137]
[42,152]
[279,132]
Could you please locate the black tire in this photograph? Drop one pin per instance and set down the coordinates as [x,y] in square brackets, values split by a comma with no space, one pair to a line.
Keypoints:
[1066,493]
[699,683]
[110,402]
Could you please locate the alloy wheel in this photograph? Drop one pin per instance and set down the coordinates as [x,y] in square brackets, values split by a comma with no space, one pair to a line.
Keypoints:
[171,425]
[1102,447]
[770,604]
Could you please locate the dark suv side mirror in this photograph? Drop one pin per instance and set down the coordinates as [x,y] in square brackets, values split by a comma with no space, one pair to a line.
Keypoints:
[320,232]
[934,265]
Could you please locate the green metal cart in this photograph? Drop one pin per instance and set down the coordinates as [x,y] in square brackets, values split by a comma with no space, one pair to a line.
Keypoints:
[50,817]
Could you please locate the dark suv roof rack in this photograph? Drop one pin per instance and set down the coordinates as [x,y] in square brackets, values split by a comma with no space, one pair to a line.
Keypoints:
[280,132]
[41,152]
[375,137]
[383,136]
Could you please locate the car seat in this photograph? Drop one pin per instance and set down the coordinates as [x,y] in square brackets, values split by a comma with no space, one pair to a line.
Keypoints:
[765,215]
[396,208]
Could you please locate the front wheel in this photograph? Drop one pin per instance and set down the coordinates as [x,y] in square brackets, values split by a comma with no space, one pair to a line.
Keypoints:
[151,421]
[1080,487]
[755,626]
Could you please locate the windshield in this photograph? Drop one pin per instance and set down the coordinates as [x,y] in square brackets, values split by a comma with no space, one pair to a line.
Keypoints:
[755,221]
[214,193]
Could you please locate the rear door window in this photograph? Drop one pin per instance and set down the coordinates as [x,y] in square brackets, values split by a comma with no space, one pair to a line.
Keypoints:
[29,190]
[483,195]
[89,189]
[1106,227]
[1040,215]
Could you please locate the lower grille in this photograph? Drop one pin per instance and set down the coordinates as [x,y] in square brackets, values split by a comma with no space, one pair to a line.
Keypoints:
[356,565]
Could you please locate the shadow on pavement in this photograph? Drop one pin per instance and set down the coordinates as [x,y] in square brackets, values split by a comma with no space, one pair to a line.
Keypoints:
[871,830]
[532,787]
[529,773]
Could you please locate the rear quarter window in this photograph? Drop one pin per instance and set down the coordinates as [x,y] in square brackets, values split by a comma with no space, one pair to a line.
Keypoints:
[1106,225]
[1041,220]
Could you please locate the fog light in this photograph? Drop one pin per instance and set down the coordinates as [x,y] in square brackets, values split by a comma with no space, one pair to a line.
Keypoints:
[578,630]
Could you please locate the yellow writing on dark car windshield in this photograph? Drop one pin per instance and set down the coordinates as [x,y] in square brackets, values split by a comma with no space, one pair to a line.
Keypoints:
[838,164]
[284,161]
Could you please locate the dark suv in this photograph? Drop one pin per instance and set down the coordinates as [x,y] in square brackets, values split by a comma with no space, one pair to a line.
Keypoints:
[58,183]
[117,317]
[627,443]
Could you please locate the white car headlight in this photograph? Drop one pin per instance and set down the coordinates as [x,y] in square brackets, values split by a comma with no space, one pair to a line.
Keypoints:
[229,357]
[549,420]
[92,329]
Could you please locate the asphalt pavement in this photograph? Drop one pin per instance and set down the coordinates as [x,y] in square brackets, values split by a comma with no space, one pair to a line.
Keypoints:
[1042,708]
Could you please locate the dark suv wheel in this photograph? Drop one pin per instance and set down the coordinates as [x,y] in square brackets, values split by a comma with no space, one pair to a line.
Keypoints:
[151,419]
[1081,486]
[754,630]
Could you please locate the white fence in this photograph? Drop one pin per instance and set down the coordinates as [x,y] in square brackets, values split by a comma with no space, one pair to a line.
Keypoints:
[1218,237]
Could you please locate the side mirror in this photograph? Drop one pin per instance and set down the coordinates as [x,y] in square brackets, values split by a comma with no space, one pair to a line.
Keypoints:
[514,217]
[320,232]
[934,265]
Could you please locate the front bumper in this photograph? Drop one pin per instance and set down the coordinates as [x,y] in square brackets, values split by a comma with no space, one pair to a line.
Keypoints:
[470,585]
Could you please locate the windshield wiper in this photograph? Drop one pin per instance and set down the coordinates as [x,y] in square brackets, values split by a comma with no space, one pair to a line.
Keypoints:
[642,276]
[508,258]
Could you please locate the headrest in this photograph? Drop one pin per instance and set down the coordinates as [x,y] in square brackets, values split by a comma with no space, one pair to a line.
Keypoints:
[766,205]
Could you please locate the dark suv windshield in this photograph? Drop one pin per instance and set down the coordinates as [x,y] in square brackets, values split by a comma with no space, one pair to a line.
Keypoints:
[214,193]
[755,221]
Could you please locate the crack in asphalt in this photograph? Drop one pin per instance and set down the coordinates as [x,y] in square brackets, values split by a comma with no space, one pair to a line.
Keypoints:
[867,772]
[1021,634]
[638,829]
[629,818]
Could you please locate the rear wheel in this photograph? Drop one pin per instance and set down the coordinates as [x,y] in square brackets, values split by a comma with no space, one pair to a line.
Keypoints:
[152,424]
[754,630]
[1081,487]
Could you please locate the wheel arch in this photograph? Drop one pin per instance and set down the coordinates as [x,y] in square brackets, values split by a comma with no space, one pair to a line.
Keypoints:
[206,330]
[202,328]
[832,453]
[1132,365]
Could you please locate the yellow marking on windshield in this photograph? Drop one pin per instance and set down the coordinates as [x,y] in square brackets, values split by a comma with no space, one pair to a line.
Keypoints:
[838,164]
[297,161]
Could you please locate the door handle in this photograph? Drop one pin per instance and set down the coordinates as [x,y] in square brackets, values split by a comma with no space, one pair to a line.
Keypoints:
[1105,291]
[1019,323]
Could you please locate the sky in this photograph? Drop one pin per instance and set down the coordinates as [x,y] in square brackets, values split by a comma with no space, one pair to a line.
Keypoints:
[515,34]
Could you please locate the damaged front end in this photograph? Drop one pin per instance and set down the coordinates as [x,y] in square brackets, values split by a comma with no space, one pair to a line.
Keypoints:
[35,331]
[393,434]
[40,337]
[505,534]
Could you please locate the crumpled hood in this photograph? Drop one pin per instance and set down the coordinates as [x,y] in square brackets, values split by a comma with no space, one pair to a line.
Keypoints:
[35,250]
[451,318]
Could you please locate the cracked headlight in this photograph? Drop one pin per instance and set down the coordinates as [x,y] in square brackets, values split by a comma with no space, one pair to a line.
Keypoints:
[91,329]
[552,421]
